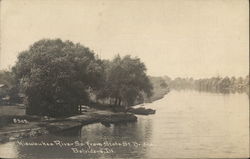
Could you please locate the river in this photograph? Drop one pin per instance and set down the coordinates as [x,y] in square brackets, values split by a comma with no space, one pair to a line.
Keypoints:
[187,124]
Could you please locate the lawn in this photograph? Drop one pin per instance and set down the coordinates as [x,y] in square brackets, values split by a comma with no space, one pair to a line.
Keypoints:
[12,110]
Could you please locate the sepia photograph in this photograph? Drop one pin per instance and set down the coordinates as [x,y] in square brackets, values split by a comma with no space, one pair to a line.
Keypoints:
[124,79]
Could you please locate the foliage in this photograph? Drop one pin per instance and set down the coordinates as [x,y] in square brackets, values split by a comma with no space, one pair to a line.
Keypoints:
[56,76]
[214,84]
[158,82]
[9,88]
[126,81]
[160,88]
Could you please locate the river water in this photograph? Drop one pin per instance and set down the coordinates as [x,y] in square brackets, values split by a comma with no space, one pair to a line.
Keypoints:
[187,124]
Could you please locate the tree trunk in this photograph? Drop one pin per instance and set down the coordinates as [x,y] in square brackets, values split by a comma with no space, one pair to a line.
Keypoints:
[115,101]
[120,102]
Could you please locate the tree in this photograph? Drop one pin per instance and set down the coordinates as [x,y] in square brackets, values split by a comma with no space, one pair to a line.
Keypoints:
[163,84]
[5,83]
[224,85]
[8,80]
[126,81]
[56,76]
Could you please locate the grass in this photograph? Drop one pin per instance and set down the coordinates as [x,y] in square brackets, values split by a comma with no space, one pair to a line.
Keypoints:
[12,110]
[8,113]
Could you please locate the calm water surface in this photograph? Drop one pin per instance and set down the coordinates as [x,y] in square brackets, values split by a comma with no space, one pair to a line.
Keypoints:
[187,124]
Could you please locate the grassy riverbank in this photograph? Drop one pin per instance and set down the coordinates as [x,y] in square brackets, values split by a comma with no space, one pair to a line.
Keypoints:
[37,125]
[160,89]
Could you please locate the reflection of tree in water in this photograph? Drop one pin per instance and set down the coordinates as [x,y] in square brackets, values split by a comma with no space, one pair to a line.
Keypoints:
[47,151]
[139,132]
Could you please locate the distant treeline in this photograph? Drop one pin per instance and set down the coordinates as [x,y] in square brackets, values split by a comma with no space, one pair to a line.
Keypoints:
[214,84]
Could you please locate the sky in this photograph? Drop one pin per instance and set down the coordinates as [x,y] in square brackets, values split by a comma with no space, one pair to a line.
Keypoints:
[178,38]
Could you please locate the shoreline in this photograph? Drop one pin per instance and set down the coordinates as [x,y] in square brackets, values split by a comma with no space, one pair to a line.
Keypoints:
[12,132]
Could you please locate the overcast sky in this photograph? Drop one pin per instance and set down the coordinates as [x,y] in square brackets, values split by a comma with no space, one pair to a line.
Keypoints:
[186,38]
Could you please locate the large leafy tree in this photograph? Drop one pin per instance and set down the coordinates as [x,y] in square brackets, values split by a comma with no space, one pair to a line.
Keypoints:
[56,76]
[126,81]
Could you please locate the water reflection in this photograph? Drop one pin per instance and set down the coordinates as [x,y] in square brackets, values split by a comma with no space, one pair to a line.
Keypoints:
[187,124]
[9,150]
[133,133]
